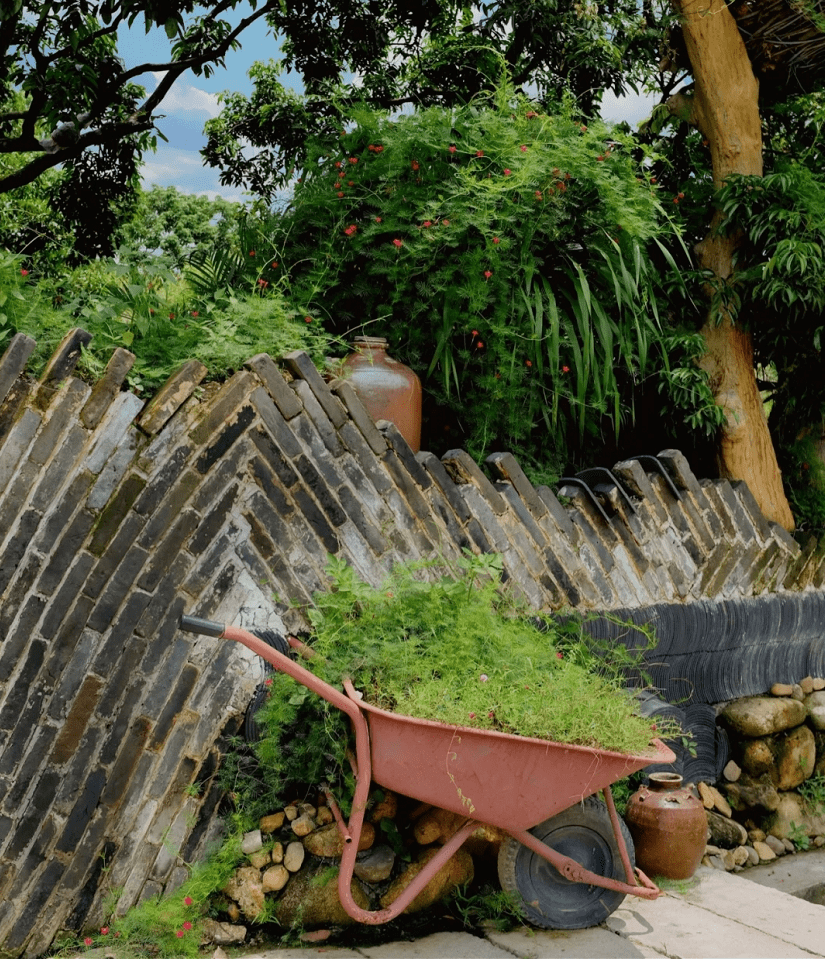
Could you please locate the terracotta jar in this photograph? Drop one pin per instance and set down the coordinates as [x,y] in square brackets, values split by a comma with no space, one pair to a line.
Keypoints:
[388,389]
[669,827]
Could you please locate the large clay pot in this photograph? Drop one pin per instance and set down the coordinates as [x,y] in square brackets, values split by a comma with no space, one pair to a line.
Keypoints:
[669,827]
[388,389]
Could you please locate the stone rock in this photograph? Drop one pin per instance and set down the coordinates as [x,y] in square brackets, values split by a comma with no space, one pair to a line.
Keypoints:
[807,685]
[252,842]
[260,859]
[776,845]
[307,809]
[222,933]
[764,851]
[789,846]
[705,795]
[724,832]
[797,692]
[815,704]
[732,771]
[291,812]
[763,715]
[819,841]
[386,809]
[303,825]
[233,912]
[275,878]
[311,899]
[374,865]
[717,862]
[220,954]
[328,843]
[727,860]
[324,816]
[720,804]
[246,889]
[793,809]
[758,756]
[819,683]
[795,758]
[278,853]
[740,855]
[781,689]
[455,872]
[757,792]
[756,835]
[753,855]
[436,825]
[272,823]
[294,856]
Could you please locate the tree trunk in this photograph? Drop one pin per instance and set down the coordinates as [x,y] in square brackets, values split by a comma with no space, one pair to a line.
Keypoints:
[725,107]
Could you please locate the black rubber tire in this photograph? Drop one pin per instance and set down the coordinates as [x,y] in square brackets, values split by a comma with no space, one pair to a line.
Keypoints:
[548,900]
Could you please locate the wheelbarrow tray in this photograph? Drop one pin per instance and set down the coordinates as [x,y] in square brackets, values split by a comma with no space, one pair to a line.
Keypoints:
[514,782]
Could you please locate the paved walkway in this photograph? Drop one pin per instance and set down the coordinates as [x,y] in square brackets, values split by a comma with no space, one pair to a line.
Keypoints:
[721,916]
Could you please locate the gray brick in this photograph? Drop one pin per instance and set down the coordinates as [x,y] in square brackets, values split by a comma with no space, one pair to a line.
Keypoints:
[164,552]
[65,552]
[73,674]
[35,904]
[160,484]
[754,513]
[225,439]
[171,396]
[82,812]
[51,480]
[61,365]
[131,745]
[223,408]
[24,725]
[127,533]
[10,409]
[302,367]
[319,489]
[464,469]
[15,642]
[16,496]
[66,595]
[275,424]
[20,690]
[561,516]
[360,417]
[14,360]
[364,523]
[507,467]
[17,593]
[165,597]
[121,719]
[364,459]
[117,588]
[107,387]
[228,471]
[168,511]
[116,511]
[448,488]
[17,444]
[411,492]
[406,456]
[63,512]
[62,418]
[314,422]
[119,463]
[275,384]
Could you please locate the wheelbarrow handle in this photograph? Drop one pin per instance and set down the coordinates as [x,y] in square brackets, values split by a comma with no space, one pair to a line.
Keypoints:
[206,627]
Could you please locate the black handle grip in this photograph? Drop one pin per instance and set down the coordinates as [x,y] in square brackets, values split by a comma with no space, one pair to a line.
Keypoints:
[206,627]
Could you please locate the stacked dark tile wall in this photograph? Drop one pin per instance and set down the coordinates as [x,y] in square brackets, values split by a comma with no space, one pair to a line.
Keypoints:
[118,515]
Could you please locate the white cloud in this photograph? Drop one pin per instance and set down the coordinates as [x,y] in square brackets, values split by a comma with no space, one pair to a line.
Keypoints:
[184,99]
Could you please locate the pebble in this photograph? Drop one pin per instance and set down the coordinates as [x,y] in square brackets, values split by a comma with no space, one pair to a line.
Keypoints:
[764,851]
[796,692]
[819,841]
[781,689]
[294,856]
[807,685]
[278,853]
[756,835]
[789,846]
[252,842]
[275,878]
[819,683]
[732,772]
[324,816]
[290,812]
[272,823]
[740,855]
[303,825]
[753,855]
[776,845]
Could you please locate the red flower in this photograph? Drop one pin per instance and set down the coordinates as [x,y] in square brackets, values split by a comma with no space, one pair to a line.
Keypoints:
[179,933]
[565,369]
[487,274]
[414,164]
[446,222]
[379,149]
[274,266]
[104,930]
[371,148]
[496,240]
[87,941]
[307,319]
[506,172]
[338,165]
[427,223]
[350,230]
[472,715]
[24,273]
[479,153]
[267,682]
[336,185]
[397,243]
[262,283]
[187,925]
[523,148]
[252,253]
[378,219]
[194,312]
[475,332]
[479,345]
[559,655]
[353,159]
[531,115]
[339,194]
[600,157]
[676,199]
[171,316]
[451,149]
[187,901]
[528,362]
[539,195]
[583,128]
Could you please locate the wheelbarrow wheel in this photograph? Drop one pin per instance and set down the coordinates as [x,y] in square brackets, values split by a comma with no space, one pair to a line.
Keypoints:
[548,900]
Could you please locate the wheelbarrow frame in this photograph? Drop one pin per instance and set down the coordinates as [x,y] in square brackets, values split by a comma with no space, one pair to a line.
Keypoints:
[611,766]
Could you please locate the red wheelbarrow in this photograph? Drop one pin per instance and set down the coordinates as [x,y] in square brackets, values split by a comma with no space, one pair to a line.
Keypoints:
[568,858]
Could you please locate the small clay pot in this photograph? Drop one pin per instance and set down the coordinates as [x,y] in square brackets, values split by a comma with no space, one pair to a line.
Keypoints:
[669,827]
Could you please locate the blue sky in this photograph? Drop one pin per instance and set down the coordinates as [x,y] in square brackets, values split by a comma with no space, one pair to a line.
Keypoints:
[193,100]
